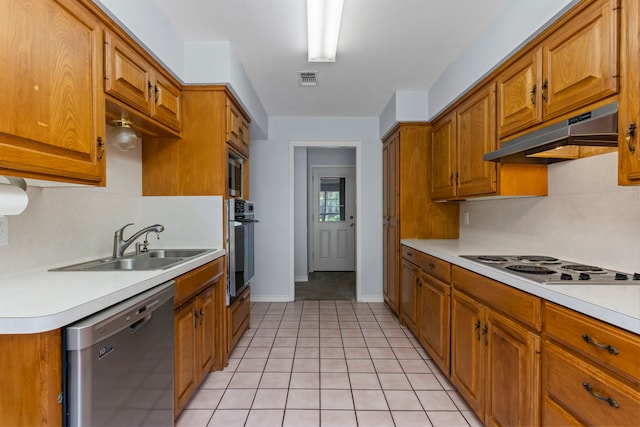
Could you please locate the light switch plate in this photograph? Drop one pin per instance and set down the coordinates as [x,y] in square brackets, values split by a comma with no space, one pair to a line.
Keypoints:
[4,230]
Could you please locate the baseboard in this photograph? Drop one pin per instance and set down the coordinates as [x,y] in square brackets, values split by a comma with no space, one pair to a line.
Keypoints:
[371,298]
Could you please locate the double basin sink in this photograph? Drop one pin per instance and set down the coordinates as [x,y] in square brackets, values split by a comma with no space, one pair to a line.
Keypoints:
[158,259]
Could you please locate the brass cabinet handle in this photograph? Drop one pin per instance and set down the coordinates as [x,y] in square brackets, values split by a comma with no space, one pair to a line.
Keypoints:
[100,148]
[149,87]
[484,334]
[457,182]
[610,400]
[532,94]
[157,91]
[611,349]
[630,134]
[432,266]
[451,179]
[477,328]
[545,85]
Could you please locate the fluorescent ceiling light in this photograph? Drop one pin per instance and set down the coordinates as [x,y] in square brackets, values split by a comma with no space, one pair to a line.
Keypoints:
[323,29]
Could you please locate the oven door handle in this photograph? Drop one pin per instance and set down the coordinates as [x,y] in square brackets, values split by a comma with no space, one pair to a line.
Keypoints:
[247,221]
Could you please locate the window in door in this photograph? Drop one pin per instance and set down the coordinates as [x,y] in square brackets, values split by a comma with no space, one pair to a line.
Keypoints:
[332,196]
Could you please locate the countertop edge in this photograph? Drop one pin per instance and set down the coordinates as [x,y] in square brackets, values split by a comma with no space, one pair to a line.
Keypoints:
[448,250]
[58,319]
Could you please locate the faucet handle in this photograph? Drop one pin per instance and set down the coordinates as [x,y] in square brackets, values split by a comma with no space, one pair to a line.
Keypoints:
[121,230]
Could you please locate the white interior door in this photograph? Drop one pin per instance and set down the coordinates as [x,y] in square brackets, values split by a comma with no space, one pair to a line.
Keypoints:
[333,218]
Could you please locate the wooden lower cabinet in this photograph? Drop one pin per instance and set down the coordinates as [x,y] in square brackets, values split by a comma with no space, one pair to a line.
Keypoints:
[238,316]
[410,296]
[31,378]
[467,350]
[197,329]
[591,371]
[435,320]
[425,300]
[494,358]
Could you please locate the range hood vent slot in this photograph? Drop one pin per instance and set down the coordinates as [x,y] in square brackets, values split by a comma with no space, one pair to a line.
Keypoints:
[591,133]
[308,78]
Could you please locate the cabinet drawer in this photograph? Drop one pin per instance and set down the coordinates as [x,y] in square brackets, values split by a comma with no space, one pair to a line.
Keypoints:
[516,304]
[192,282]
[431,265]
[581,389]
[612,347]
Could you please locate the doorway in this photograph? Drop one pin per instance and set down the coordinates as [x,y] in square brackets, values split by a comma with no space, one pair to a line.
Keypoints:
[325,238]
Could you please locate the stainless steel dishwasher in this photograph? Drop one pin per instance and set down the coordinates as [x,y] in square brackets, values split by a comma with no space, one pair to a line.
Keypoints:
[120,364]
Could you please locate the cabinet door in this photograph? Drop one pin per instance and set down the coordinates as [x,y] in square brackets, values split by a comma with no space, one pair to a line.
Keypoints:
[391,245]
[513,373]
[238,321]
[443,158]
[629,113]
[51,84]
[237,129]
[205,329]
[519,94]
[580,60]
[166,107]
[468,350]
[185,365]
[476,132]
[435,320]
[409,295]
[128,76]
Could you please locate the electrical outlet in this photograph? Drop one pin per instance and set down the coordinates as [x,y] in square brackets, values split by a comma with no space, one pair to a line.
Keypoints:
[465,217]
[4,230]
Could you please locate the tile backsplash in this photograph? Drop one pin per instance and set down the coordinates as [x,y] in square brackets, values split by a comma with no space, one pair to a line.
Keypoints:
[585,218]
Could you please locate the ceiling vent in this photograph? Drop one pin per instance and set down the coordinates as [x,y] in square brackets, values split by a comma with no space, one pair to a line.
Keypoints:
[308,78]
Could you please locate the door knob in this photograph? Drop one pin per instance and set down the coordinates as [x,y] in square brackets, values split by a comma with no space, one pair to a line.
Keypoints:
[351,224]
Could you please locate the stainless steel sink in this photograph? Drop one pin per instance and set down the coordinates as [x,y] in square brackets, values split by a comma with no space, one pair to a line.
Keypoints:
[153,260]
[172,253]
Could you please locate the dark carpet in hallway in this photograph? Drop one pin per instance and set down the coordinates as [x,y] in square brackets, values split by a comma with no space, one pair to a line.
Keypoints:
[328,285]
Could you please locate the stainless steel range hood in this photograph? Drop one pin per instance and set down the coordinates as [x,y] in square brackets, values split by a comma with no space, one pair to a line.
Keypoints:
[591,133]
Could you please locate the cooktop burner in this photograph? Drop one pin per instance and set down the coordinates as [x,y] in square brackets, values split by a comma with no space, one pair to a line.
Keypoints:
[536,259]
[583,268]
[548,270]
[531,269]
[490,259]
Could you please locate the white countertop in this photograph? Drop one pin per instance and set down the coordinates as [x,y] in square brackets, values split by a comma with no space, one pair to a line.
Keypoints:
[41,300]
[615,304]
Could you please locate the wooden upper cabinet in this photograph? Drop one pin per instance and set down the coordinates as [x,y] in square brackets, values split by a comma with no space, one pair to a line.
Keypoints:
[237,129]
[519,94]
[167,102]
[52,121]
[580,60]
[130,78]
[127,75]
[443,157]
[476,136]
[629,106]
[576,65]
[459,142]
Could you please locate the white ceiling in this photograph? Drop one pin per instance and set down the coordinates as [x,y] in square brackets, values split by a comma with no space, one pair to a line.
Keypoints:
[385,45]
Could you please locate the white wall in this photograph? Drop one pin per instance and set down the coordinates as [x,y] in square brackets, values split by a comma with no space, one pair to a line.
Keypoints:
[67,225]
[301,255]
[191,62]
[270,190]
[516,24]
[585,218]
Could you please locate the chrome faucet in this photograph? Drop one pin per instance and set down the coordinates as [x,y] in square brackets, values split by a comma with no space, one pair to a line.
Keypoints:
[120,244]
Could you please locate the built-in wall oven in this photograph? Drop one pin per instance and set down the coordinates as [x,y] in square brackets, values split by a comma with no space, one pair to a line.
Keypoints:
[240,255]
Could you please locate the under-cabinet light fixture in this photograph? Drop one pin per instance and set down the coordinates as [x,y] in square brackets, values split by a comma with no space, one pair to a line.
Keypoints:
[323,29]
[124,138]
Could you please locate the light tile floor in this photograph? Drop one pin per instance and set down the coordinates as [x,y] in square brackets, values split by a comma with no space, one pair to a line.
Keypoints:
[326,363]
